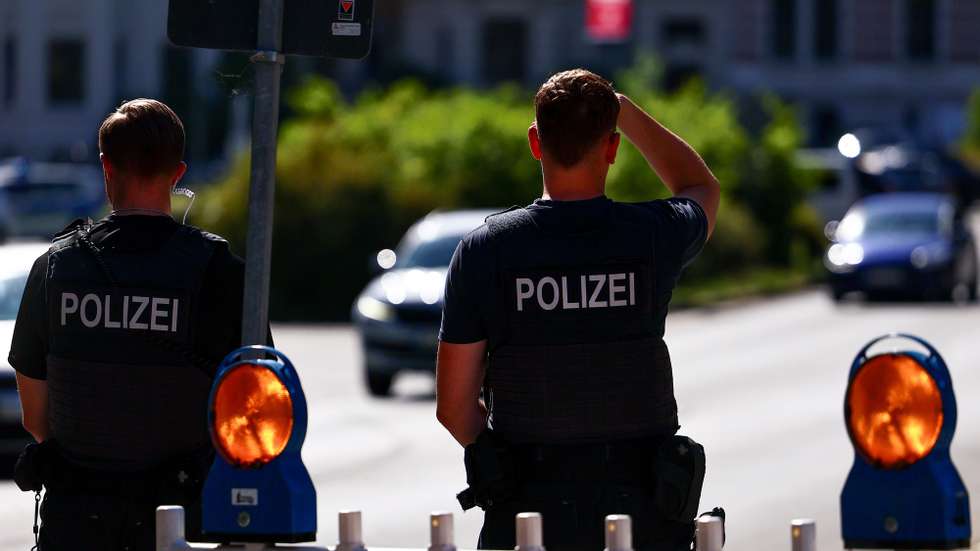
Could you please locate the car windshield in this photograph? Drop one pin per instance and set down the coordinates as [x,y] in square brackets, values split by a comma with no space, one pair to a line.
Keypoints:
[435,253]
[11,290]
[875,223]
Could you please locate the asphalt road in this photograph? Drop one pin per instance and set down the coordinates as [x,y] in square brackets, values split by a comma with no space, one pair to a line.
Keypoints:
[761,385]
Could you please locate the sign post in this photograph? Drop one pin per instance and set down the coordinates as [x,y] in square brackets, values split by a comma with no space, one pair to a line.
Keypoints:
[258,489]
[270,29]
[261,199]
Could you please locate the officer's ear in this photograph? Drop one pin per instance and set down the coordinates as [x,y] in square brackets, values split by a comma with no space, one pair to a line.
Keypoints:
[612,148]
[534,141]
[178,173]
[106,166]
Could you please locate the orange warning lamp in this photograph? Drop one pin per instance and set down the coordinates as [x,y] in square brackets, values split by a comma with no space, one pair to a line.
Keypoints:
[253,415]
[903,491]
[894,411]
[258,489]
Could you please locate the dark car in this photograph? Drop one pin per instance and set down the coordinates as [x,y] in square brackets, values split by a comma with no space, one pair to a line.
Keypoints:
[399,312]
[903,245]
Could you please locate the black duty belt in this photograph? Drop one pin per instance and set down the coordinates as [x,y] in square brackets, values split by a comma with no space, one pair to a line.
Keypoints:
[627,461]
[62,477]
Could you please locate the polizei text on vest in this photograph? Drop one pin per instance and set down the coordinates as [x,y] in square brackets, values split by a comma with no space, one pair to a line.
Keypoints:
[140,313]
[587,291]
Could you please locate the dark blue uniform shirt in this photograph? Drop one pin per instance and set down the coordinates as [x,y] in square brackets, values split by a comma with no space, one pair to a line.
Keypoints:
[471,310]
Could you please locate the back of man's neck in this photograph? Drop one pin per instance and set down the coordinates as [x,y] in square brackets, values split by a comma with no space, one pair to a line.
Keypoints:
[141,207]
[570,195]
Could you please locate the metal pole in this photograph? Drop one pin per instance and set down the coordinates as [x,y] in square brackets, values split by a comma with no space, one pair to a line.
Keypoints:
[441,532]
[265,129]
[619,533]
[530,533]
[170,529]
[351,535]
[711,534]
[803,534]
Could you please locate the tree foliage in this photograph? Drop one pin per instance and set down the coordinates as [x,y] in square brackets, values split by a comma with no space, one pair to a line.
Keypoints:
[353,176]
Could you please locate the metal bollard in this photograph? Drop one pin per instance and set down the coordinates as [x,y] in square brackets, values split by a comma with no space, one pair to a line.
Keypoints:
[711,534]
[349,528]
[803,532]
[619,533]
[530,532]
[441,527]
[170,529]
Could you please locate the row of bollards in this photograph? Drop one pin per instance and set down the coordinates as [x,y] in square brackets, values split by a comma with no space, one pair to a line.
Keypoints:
[530,532]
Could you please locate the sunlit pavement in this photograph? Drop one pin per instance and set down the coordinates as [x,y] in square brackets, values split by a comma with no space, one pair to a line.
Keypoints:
[761,385]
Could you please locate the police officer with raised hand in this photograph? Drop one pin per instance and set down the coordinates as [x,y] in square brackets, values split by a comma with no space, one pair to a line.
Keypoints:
[556,311]
[121,329]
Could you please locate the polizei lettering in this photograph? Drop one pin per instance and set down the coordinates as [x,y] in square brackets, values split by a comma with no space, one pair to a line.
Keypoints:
[577,292]
[116,311]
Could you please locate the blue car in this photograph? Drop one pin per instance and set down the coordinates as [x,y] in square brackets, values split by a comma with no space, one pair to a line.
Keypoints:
[909,245]
[399,312]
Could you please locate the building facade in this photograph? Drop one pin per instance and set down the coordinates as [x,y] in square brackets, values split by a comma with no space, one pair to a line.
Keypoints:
[65,65]
[845,63]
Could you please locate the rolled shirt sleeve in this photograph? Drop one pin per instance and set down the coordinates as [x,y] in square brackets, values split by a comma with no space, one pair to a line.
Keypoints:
[469,277]
[686,228]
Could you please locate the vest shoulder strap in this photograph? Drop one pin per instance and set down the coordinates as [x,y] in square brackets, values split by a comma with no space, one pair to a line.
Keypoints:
[69,235]
[197,244]
[508,221]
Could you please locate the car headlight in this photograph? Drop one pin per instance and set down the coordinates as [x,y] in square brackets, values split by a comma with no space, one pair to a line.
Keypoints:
[375,309]
[929,255]
[844,257]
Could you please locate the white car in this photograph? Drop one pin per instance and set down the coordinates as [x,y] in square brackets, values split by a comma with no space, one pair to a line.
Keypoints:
[16,260]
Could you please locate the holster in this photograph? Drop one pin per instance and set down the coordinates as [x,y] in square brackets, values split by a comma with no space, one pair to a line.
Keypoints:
[678,478]
[34,465]
[490,473]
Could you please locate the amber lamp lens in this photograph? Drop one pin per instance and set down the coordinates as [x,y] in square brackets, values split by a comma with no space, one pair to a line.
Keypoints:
[895,411]
[253,416]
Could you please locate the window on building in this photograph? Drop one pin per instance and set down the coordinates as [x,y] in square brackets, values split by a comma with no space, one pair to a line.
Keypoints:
[178,79]
[9,71]
[677,75]
[504,50]
[66,71]
[825,126]
[446,52]
[120,63]
[920,29]
[825,38]
[683,30]
[783,28]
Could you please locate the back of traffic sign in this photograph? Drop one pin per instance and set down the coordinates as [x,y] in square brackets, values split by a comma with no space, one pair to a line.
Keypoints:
[324,28]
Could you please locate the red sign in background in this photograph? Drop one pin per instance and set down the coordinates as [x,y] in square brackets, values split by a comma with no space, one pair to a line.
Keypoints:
[609,20]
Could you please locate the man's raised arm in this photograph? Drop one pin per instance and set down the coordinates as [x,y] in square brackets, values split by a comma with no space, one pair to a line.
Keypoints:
[675,162]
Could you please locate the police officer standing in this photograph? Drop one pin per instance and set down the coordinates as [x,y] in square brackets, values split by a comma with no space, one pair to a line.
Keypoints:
[556,311]
[121,329]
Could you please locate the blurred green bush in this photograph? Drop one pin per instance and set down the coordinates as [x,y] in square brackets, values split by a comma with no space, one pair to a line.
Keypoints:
[971,138]
[353,176]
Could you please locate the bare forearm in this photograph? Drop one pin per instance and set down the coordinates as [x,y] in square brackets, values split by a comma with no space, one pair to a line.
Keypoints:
[459,377]
[465,425]
[675,162]
[33,395]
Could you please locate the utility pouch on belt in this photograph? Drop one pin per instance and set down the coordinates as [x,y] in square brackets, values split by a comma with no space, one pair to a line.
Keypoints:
[679,477]
[489,473]
[31,466]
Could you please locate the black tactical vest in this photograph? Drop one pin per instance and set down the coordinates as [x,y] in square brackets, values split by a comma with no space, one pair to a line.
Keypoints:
[124,393]
[579,358]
